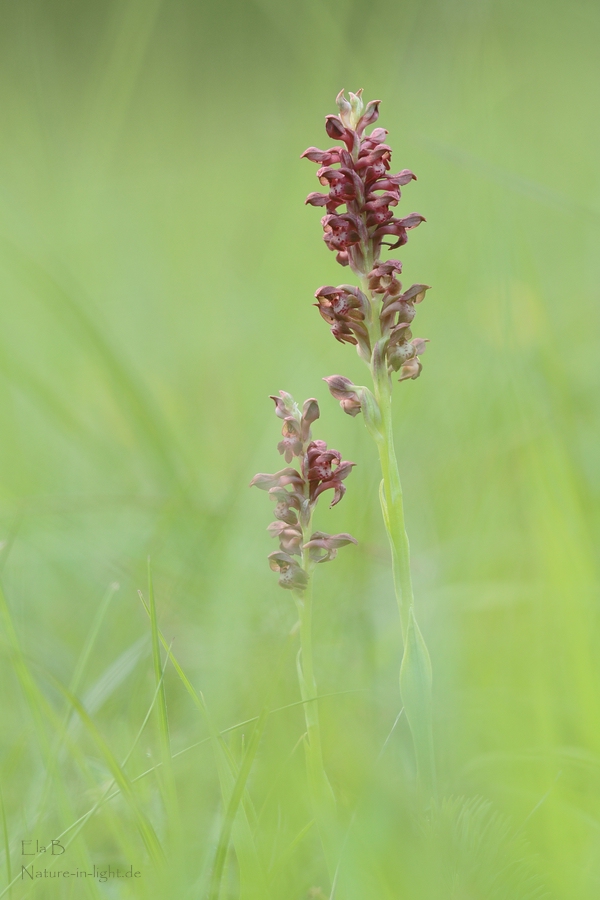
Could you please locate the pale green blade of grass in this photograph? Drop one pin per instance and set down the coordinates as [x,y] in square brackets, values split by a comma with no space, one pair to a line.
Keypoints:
[158,674]
[98,694]
[76,680]
[109,793]
[286,855]
[246,850]
[27,682]
[144,826]
[277,774]
[250,888]
[235,727]
[107,685]
[133,396]
[39,709]
[114,676]
[116,72]
[106,796]
[45,398]
[478,851]
[6,840]
[167,781]
[88,647]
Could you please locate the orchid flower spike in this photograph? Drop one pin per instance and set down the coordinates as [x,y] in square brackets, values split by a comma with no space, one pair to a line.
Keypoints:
[359,202]
[297,491]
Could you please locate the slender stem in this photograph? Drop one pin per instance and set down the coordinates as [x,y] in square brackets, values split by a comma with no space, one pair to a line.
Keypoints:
[308,691]
[392,496]
[415,671]
[321,794]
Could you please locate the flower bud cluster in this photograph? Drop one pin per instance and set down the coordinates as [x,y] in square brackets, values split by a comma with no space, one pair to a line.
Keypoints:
[395,317]
[296,493]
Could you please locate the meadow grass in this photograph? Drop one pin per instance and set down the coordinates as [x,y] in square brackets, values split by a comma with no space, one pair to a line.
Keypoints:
[157,269]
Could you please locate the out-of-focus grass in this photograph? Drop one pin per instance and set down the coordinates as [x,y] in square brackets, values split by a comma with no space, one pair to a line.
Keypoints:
[157,268]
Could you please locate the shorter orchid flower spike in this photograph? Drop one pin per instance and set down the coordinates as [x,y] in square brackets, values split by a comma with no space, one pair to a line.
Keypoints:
[296,493]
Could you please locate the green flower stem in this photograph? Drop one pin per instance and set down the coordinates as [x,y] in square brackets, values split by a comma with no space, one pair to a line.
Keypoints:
[321,794]
[415,670]
[391,496]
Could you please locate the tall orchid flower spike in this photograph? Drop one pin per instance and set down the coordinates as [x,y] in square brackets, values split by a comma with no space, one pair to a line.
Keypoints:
[296,493]
[377,317]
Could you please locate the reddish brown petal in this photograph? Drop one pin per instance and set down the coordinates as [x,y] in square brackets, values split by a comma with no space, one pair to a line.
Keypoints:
[264,482]
[310,410]
[378,135]
[284,404]
[406,311]
[344,469]
[334,127]
[411,369]
[327,290]
[351,406]
[343,333]
[291,575]
[310,413]
[339,386]
[330,541]
[399,333]
[317,199]
[278,558]
[412,220]
[416,292]
[420,345]
[325,157]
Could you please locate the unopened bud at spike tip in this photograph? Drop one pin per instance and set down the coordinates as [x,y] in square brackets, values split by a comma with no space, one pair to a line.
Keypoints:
[357,107]
[344,108]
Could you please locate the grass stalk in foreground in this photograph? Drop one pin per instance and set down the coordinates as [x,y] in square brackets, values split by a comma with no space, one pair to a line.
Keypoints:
[239,832]
[166,776]
[376,318]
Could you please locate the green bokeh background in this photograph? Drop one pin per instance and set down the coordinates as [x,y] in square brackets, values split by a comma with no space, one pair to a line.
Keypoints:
[157,269]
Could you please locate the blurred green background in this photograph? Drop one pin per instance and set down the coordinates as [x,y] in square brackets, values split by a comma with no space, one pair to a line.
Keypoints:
[157,269]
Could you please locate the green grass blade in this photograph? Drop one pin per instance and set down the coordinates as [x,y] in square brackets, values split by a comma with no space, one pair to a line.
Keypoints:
[144,826]
[106,796]
[232,809]
[92,637]
[246,850]
[168,780]
[163,717]
[133,396]
[6,843]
